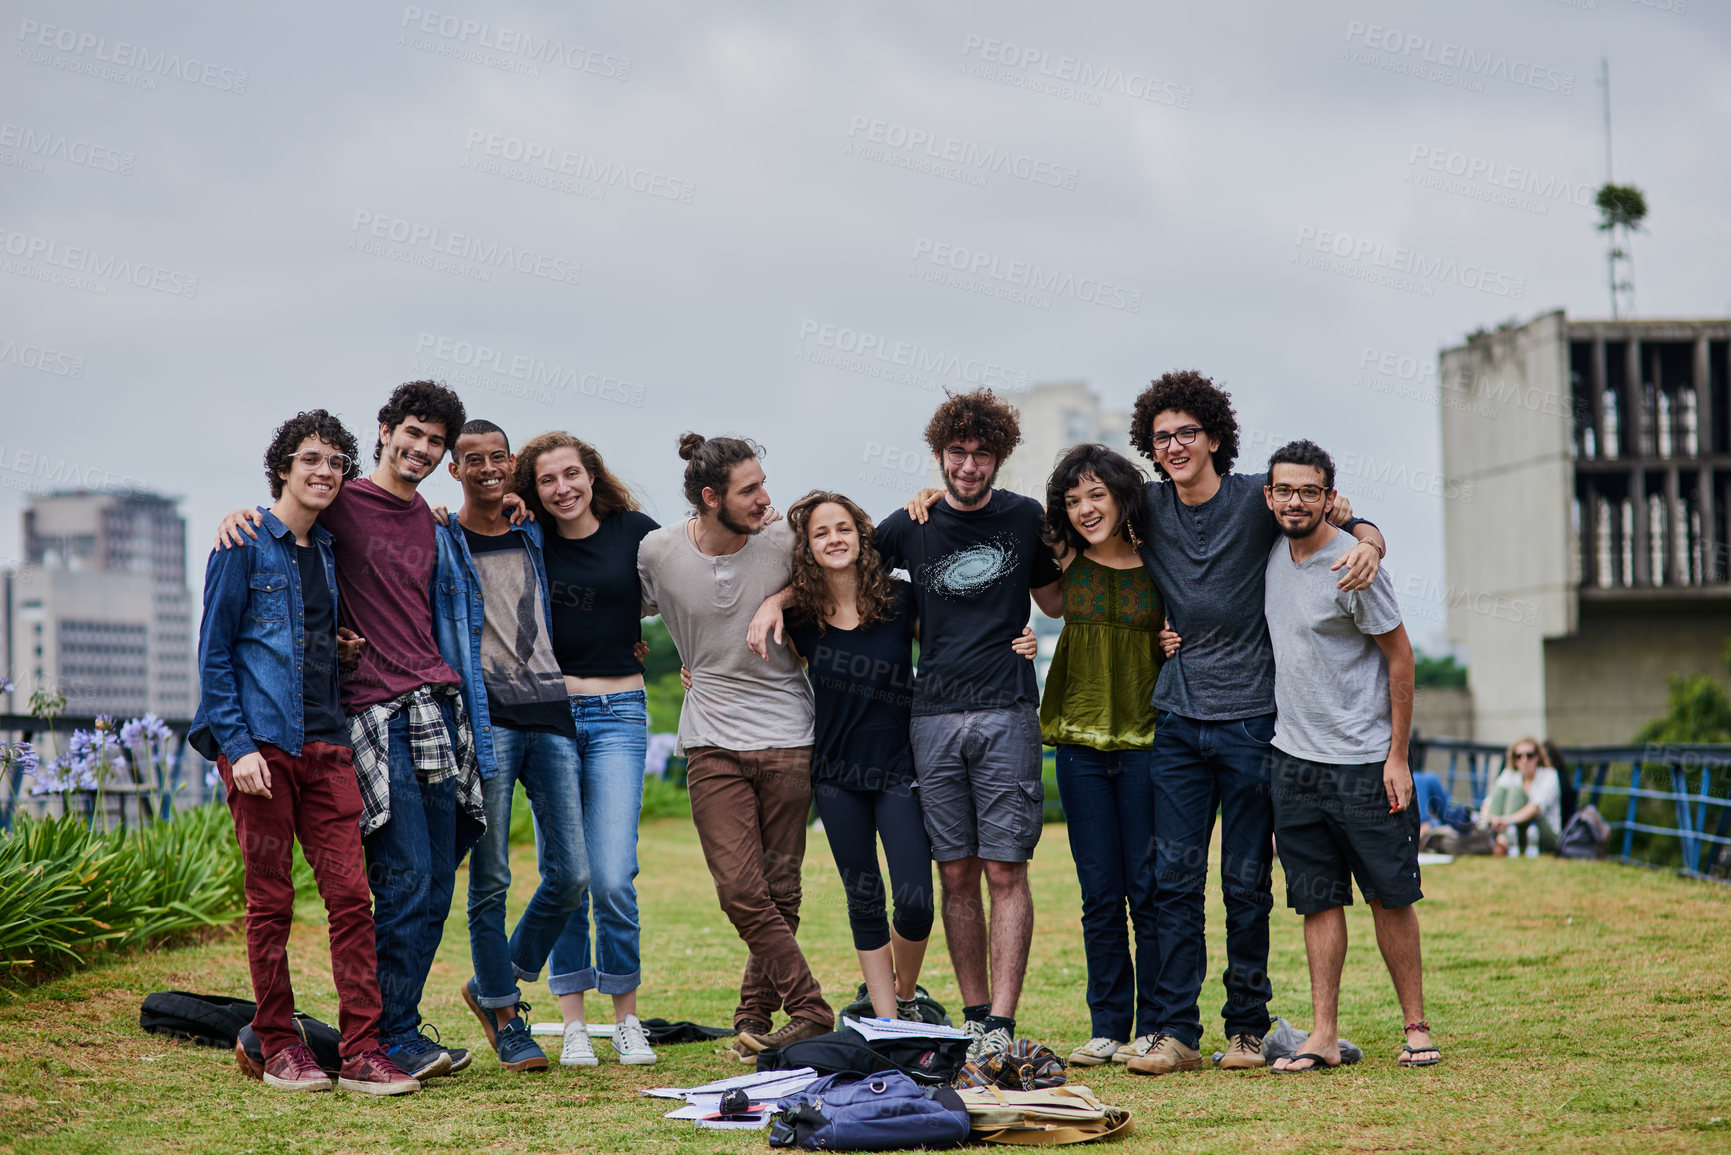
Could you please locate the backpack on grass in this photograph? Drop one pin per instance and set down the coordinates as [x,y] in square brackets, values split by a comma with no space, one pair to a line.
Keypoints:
[1024,1066]
[208,1020]
[323,1040]
[1586,835]
[885,1111]
[929,1009]
[934,1062]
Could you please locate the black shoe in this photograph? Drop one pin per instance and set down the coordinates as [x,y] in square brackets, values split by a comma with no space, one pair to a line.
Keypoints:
[459,1056]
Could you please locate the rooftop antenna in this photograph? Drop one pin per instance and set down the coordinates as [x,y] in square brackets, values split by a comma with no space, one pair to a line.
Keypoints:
[1620,207]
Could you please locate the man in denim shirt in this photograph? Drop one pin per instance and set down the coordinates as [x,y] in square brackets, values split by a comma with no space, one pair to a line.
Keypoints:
[270,717]
[493,621]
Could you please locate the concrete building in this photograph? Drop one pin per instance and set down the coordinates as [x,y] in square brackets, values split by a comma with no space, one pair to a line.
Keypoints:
[1055,416]
[1586,519]
[100,609]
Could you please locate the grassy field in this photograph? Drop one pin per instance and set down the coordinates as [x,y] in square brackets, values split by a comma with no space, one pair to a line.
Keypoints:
[1578,1007]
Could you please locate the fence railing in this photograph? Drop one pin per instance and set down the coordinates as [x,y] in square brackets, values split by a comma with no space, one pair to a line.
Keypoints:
[157,786]
[1641,791]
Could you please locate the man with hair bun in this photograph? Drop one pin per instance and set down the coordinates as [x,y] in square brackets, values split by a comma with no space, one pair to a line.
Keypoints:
[745,727]
[976,725]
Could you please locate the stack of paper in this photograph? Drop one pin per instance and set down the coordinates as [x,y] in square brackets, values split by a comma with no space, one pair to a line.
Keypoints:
[766,1089]
[901,1029]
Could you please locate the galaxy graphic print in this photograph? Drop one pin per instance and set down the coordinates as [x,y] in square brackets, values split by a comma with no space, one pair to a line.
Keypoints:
[969,572]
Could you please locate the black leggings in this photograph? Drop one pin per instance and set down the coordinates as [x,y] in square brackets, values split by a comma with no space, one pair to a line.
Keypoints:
[854,819]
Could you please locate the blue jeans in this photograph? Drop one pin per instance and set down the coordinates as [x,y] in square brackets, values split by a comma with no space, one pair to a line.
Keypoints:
[412,869]
[546,764]
[612,746]
[1201,767]
[1109,805]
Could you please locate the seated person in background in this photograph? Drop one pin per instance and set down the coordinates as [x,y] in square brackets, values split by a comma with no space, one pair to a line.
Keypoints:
[1432,798]
[1527,791]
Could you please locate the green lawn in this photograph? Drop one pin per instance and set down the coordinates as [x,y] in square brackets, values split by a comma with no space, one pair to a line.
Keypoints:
[1578,1006]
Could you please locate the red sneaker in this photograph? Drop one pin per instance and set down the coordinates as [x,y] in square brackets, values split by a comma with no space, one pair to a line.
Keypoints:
[295,1069]
[373,1073]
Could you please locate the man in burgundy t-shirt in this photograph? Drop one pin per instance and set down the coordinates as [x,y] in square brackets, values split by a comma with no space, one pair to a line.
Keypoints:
[414,757]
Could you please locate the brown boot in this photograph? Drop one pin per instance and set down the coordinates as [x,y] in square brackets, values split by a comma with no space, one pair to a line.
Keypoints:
[1244,1054]
[739,1051]
[1165,1056]
[791,1032]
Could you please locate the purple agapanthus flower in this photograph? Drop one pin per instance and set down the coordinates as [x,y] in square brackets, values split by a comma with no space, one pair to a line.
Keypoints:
[19,755]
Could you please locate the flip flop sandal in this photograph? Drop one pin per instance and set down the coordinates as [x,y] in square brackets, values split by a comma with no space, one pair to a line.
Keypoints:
[1408,1049]
[1318,1063]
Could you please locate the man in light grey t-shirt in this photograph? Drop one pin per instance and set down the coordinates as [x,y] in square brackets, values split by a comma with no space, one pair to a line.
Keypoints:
[745,728]
[1342,790]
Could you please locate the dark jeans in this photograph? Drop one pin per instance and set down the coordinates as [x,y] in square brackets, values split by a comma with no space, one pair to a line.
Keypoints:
[314,798]
[854,820]
[1109,805]
[412,868]
[1201,767]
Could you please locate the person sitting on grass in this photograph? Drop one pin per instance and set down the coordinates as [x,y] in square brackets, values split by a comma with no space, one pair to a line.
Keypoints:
[1338,773]
[270,717]
[1528,791]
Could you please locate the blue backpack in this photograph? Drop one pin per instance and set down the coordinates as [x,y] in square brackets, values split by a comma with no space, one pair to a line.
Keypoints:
[884,1111]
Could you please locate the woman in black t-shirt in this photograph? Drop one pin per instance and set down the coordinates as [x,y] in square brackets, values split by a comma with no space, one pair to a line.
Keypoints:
[854,627]
[592,526]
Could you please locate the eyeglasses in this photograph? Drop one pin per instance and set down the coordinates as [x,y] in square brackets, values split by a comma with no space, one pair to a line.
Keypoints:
[958,456]
[1524,755]
[1184,436]
[1309,494]
[312,459]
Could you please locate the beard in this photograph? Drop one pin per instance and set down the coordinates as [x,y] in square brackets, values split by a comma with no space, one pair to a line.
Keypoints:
[732,525]
[1297,531]
[984,495]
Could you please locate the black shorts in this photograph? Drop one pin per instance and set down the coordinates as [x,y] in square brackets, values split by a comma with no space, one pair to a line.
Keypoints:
[1332,825]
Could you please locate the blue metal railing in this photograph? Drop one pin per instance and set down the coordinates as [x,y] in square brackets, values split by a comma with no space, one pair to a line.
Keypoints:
[1655,772]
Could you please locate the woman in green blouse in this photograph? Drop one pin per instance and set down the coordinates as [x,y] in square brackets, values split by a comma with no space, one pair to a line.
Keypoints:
[1096,712]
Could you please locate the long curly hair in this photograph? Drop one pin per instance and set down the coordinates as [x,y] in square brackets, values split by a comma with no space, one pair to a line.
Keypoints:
[607,494]
[808,598]
[1122,479]
[1186,391]
[978,415]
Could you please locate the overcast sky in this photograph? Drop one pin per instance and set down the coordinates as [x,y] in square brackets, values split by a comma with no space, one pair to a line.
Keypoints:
[667,218]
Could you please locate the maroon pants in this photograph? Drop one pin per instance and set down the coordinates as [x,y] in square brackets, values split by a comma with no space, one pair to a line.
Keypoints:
[314,798]
[750,808]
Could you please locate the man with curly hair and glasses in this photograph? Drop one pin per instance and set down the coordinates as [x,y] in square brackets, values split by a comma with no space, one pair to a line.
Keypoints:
[270,717]
[975,554]
[1208,546]
[415,756]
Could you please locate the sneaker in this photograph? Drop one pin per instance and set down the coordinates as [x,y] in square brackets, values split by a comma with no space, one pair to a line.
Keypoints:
[373,1073]
[631,1044]
[295,1069]
[1096,1052]
[421,1058]
[739,1050]
[460,1056]
[578,1051]
[976,1032]
[791,1031]
[908,1011]
[995,1042]
[517,1048]
[488,1016]
[1134,1049]
[1165,1056]
[1244,1053]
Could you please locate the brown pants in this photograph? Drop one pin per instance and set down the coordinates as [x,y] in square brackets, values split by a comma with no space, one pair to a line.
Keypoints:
[750,808]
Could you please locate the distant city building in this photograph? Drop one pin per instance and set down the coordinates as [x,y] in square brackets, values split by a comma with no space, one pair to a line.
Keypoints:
[1587,514]
[1055,416]
[100,609]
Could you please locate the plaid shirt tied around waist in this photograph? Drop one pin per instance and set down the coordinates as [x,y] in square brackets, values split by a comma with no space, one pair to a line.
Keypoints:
[435,755]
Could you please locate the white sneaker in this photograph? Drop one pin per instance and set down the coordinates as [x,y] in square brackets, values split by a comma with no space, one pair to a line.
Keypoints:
[995,1042]
[976,1031]
[578,1051]
[1134,1049]
[1095,1052]
[631,1044]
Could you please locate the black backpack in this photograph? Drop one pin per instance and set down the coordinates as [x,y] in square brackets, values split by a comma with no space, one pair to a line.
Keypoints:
[208,1020]
[934,1062]
[323,1040]
[929,1009]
